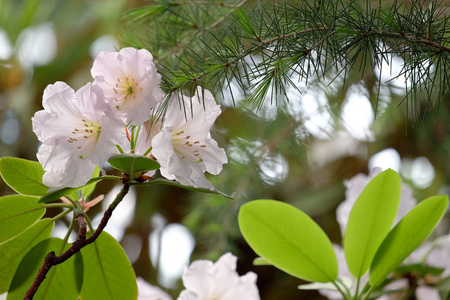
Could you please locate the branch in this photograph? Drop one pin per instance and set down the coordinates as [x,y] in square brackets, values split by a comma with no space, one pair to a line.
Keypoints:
[52,260]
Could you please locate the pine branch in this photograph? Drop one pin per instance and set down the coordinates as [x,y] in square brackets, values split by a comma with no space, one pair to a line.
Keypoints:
[260,46]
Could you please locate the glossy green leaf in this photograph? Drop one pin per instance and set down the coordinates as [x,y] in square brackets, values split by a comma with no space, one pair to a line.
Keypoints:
[133,163]
[12,252]
[63,281]
[108,273]
[23,176]
[370,220]
[17,213]
[55,195]
[288,239]
[406,236]
[177,184]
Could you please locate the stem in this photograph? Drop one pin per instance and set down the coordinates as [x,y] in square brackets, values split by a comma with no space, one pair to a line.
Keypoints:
[366,296]
[345,294]
[120,149]
[357,288]
[69,231]
[61,215]
[88,221]
[51,259]
[62,205]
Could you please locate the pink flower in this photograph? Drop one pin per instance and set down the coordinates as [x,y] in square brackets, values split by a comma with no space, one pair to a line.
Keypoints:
[150,292]
[205,280]
[130,83]
[184,147]
[78,133]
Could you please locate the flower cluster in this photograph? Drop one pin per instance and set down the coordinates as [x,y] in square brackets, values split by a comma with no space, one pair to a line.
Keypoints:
[81,130]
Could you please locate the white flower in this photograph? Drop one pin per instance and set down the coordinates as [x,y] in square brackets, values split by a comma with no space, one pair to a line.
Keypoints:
[205,280]
[150,292]
[130,83]
[77,132]
[184,147]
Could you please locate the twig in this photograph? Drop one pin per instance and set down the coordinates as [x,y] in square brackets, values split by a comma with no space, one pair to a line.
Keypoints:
[52,260]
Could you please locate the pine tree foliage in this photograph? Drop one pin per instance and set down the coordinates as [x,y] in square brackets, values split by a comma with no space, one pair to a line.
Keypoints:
[268,47]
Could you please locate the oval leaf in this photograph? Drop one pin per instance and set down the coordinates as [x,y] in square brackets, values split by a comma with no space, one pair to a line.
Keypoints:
[288,239]
[133,163]
[406,236]
[370,220]
[17,213]
[55,195]
[23,176]
[13,251]
[108,273]
[63,281]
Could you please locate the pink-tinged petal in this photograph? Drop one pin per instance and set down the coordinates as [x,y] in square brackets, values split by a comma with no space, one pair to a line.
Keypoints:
[199,278]
[130,83]
[175,166]
[244,288]
[184,147]
[78,132]
[150,292]
[204,280]
[427,293]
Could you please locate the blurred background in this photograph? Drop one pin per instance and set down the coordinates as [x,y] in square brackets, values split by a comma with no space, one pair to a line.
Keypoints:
[301,152]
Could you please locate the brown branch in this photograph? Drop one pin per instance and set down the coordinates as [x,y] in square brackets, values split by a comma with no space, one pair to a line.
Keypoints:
[52,259]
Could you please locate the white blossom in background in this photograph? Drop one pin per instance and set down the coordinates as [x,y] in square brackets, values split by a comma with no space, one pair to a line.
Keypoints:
[78,132]
[205,280]
[130,83]
[184,147]
[146,291]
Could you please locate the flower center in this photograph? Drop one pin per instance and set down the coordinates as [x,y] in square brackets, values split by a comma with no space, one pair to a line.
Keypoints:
[85,136]
[125,89]
[186,147]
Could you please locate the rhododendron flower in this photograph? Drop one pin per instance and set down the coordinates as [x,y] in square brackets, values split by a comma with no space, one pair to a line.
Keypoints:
[129,82]
[184,147]
[150,292]
[205,280]
[78,132]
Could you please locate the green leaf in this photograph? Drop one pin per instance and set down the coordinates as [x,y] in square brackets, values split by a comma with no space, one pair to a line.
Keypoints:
[261,261]
[370,220]
[406,236]
[55,195]
[191,188]
[17,213]
[23,176]
[12,252]
[63,281]
[108,273]
[288,239]
[133,163]
[87,190]
[419,270]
